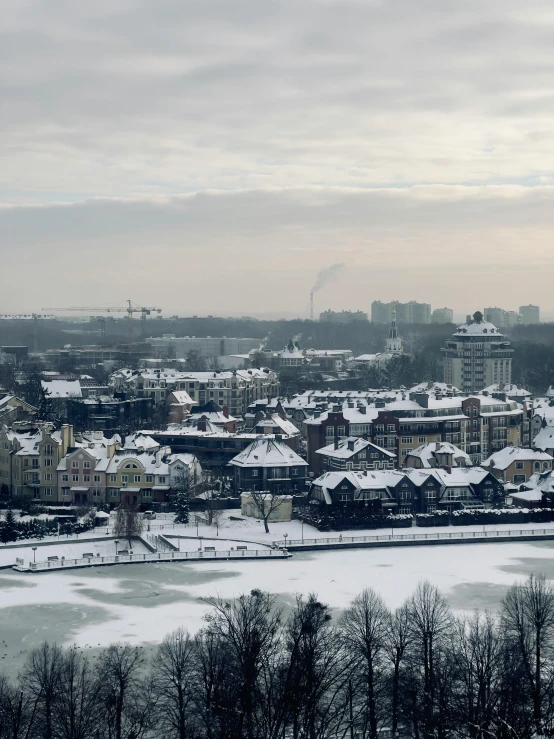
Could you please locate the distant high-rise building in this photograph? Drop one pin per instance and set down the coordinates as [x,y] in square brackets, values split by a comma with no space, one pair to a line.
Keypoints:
[442,315]
[477,355]
[530,314]
[412,312]
[502,318]
[345,316]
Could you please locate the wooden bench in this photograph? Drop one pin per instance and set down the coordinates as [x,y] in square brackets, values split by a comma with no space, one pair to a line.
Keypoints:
[241,549]
[53,559]
[209,549]
[87,555]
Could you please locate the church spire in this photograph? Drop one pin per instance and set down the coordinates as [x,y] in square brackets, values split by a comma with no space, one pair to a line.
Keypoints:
[394,342]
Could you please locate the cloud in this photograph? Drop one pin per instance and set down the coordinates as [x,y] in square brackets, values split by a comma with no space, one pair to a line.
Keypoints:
[257,251]
[121,97]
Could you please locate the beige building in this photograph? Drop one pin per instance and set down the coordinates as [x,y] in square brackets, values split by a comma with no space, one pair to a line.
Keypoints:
[517,465]
[281,511]
[477,355]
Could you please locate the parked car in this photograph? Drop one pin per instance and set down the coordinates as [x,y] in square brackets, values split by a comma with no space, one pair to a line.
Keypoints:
[149,515]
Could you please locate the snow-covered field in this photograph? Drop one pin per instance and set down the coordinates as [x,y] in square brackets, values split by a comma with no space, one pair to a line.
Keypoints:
[141,603]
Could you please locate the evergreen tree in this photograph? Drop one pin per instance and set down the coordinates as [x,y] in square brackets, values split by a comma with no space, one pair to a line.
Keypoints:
[9,529]
[181,500]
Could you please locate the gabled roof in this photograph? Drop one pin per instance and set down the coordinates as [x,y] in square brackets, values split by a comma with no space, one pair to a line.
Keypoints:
[350,447]
[427,453]
[268,453]
[505,457]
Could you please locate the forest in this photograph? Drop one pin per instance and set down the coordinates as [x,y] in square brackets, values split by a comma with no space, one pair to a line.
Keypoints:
[261,671]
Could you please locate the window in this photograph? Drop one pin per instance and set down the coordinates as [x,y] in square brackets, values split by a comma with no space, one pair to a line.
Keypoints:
[162,480]
[96,493]
[113,478]
[146,493]
[96,478]
[519,478]
[405,509]
[341,430]
[48,449]
[519,465]
[75,478]
[48,463]
[380,428]
[343,497]
[48,477]
[136,478]
[48,492]
[390,428]
[66,492]
[254,473]
[406,440]
[422,439]
[114,492]
[295,471]
[361,455]
[86,465]
[330,432]
[124,479]
[430,496]
[65,478]
[86,478]
[149,478]
[75,463]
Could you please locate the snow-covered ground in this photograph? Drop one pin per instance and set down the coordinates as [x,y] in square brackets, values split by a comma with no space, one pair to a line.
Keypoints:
[250,529]
[67,549]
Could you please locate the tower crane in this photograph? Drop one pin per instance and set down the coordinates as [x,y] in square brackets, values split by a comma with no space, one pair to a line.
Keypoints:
[129,309]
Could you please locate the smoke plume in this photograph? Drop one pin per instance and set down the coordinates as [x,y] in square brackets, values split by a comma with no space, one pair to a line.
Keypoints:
[326,276]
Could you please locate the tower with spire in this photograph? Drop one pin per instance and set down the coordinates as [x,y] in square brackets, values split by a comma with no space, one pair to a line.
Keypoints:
[394,342]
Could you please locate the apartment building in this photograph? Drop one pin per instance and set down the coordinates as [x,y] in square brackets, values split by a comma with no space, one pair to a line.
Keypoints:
[235,389]
[477,355]
[177,347]
[530,314]
[442,315]
[29,456]
[343,316]
[412,312]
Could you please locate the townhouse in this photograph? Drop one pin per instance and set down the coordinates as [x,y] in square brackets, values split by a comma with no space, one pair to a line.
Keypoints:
[517,465]
[269,465]
[409,491]
[355,453]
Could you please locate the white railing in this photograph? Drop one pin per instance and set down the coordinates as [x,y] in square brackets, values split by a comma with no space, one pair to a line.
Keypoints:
[158,557]
[443,536]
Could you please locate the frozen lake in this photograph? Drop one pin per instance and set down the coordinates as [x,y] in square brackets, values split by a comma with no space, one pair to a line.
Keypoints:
[141,603]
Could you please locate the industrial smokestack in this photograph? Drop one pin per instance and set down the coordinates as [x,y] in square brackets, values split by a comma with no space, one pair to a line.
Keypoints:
[324,278]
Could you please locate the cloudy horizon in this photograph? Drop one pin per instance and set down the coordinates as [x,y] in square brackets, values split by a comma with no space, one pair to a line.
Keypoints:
[212,157]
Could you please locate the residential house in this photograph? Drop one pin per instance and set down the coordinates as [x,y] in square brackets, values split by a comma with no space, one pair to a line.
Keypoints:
[517,465]
[269,465]
[355,453]
[437,454]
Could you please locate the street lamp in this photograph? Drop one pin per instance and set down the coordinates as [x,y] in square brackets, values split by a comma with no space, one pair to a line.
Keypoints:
[116,542]
[302,530]
[34,554]
[285,537]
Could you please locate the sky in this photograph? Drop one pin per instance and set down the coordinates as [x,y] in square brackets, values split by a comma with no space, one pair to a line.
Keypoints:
[212,156]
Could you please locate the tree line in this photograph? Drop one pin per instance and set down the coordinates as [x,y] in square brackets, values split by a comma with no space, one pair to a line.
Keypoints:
[253,672]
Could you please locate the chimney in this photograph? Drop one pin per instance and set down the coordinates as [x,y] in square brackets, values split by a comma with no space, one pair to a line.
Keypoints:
[363,409]
[68,439]
[201,425]
[351,443]
[437,446]
[226,411]
[336,442]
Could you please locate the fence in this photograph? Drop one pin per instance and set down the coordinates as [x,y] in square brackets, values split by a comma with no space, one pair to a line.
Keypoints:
[446,536]
[156,557]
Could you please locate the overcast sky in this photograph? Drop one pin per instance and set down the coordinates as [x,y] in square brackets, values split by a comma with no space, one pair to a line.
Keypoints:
[212,156]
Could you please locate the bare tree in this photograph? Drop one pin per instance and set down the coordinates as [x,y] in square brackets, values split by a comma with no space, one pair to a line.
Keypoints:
[479,650]
[174,675]
[266,503]
[41,679]
[396,645]
[528,618]
[431,622]
[364,628]
[318,672]
[119,671]
[128,523]
[76,704]
[249,628]
[18,711]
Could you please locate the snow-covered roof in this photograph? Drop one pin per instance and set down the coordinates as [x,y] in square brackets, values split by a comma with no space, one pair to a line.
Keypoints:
[62,388]
[140,441]
[434,387]
[427,453]
[544,439]
[182,398]
[153,464]
[528,496]
[509,388]
[268,453]
[281,425]
[505,457]
[481,328]
[350,447]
